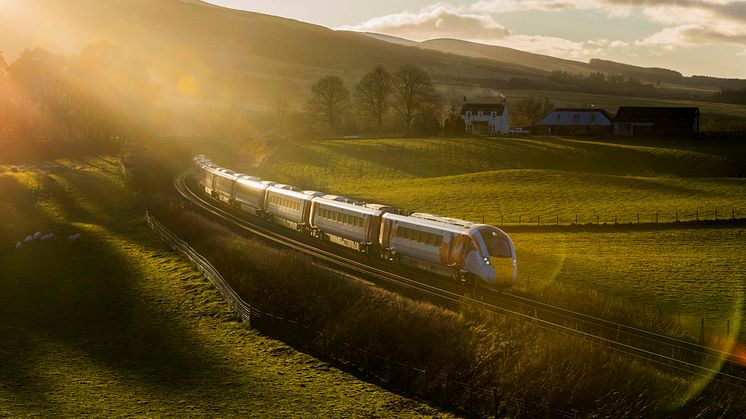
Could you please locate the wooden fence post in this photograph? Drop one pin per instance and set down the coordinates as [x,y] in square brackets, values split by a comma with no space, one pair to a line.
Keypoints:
[702,331]
[538,220]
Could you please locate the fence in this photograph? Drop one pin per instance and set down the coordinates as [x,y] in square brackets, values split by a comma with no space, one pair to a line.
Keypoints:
[703,216]
[447,391]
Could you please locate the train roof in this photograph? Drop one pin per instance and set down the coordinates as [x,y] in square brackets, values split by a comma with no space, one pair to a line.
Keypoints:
[430,223]
[361,209]
[446,220]
[382,207]
[288,190]
[252,181]
[227,173]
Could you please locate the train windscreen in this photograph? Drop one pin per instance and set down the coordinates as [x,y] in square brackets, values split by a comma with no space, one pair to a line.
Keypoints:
[497,245]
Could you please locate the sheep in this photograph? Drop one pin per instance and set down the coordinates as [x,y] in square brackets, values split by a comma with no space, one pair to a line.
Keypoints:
[19,245]
[48,237]
[74,237]
[29,239]
[37,235]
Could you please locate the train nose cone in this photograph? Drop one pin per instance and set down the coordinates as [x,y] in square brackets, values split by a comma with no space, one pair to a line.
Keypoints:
[504,270]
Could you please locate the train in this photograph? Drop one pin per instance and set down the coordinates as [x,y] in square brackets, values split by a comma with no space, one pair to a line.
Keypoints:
[468,252]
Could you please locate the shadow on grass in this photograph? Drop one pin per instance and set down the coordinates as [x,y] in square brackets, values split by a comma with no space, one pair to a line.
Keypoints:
[61,299]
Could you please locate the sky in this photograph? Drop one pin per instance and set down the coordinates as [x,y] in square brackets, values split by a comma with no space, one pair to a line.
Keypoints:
[702,37]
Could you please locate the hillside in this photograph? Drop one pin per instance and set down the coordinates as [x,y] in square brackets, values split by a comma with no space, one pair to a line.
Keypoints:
[694,271]
[216,44]
[226,47]
[117,324]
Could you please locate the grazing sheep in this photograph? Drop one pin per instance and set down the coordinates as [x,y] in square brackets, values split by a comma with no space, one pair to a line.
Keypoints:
[37,235]
[19,245]
[29,239]
[48,237]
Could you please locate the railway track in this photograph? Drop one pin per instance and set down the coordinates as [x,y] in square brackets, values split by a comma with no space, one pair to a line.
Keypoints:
[666,352]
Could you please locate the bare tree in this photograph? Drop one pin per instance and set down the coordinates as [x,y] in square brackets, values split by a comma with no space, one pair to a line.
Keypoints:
[328,99]
[529,111]
[373,93]
[413,93]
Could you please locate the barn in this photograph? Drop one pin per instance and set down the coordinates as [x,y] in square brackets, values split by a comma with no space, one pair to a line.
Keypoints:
[575,121]
[656,122]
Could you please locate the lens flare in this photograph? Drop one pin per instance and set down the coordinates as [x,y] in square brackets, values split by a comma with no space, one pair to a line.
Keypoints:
[188,85]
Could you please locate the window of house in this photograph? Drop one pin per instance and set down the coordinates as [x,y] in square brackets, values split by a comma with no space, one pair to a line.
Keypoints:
[494,114]
[468,114]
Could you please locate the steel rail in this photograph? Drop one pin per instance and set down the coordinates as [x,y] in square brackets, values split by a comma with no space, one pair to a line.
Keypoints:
[364,272]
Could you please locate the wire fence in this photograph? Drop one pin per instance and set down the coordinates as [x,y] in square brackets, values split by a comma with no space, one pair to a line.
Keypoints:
[667,216]
[453,392]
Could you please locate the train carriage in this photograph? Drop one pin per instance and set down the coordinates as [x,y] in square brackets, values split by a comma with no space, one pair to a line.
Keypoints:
[288,207]
[224,185]
[207,173]
[335,219]
[250,194]
[449,247]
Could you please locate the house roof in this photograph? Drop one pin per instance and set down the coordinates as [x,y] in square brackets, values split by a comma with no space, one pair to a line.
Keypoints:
[631,113]
[577,116]
[484,107]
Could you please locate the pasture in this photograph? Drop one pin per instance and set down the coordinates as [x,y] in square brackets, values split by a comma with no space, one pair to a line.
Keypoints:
[673,268]
[116,324]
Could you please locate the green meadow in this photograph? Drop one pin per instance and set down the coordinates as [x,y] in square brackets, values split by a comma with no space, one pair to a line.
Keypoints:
[117,324]
[695,272]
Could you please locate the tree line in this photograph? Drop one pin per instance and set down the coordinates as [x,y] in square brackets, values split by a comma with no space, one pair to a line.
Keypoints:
[99,94]
[404,101]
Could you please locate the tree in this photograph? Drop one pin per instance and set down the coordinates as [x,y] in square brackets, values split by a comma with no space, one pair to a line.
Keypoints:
[413,94]
[373,93]
[529,111]
[328,99]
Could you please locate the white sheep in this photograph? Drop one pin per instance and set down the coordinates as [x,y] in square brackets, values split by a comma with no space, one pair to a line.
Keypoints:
[29,239]
[37,235]
[19,245]
[47,237]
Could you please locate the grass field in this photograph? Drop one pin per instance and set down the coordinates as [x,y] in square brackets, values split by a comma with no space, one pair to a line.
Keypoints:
[117,325]
[696,272]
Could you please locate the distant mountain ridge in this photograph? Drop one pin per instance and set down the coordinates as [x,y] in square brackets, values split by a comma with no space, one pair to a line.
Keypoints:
[219,46]
[543,63]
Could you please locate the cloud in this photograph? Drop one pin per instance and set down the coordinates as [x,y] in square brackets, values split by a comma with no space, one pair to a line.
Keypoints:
[685,24]
[436,21]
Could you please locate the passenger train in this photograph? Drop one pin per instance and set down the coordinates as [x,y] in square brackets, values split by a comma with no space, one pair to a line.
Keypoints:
[449,247]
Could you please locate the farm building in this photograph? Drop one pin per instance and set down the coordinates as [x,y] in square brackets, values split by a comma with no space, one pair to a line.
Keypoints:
[486,118]
[656,122]
[575,121]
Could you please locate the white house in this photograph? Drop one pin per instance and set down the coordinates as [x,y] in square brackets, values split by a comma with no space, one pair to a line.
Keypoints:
[486,118]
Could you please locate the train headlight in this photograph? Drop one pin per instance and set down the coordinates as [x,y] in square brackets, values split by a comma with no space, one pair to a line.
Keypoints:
[487,261]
